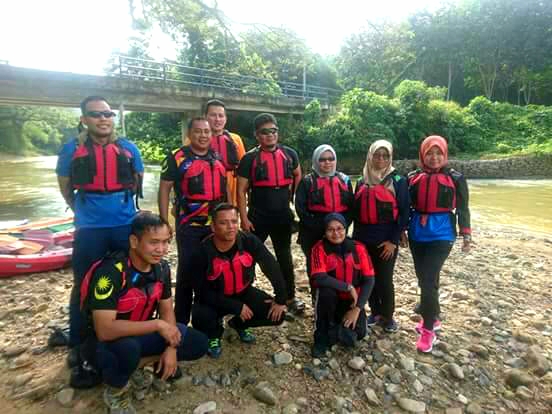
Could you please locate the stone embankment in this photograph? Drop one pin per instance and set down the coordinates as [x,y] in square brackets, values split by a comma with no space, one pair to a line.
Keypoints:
[493,356]
[515,167]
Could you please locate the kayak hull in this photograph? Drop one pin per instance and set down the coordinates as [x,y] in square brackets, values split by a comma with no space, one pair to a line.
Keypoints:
[13,265]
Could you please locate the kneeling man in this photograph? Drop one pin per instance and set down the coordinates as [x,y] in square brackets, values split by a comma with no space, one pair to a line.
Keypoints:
[226,266]
[122,295]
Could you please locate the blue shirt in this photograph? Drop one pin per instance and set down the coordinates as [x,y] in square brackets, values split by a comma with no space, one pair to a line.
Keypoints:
[437,227]
[96,209]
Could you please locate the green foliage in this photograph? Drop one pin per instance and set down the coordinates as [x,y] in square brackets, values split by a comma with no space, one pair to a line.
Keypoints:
[376,57]
[154,133]
[28,130]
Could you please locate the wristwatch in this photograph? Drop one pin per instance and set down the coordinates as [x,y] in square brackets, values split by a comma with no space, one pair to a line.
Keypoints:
[350,287]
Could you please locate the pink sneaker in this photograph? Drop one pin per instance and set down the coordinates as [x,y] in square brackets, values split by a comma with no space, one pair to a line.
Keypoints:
[426,340]
[436,325]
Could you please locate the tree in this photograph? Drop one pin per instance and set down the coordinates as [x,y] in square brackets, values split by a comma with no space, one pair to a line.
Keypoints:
[26,129]
[377,58]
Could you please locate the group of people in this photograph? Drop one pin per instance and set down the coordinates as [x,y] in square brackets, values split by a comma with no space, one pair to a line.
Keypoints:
[225,203]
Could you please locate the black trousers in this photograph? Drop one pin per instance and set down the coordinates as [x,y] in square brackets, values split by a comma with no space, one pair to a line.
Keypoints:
[382,298]
[329,312]
[187,238]
[208,319]
[280,235]
[429,258]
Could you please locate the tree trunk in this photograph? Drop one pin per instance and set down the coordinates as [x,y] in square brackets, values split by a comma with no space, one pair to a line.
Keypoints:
[527,92]
[449,80]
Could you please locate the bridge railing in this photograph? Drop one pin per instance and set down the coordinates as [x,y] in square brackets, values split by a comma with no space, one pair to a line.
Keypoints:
[149,70]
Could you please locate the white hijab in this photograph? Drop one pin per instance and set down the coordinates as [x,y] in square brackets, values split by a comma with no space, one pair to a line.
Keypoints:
[372,176]
[316,156]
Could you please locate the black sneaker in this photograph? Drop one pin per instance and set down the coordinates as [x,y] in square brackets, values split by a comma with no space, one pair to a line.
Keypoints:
[84,376]
[73,357]
[296,306]
[58,337]
[319,350]
[177,374]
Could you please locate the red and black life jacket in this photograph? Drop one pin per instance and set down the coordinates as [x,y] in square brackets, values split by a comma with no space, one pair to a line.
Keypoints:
[133,303]
[329,194]
[345,267]
[271,169]
[376,204]
[432,192]
[102,168]
[238,272]
[201,179]
[227,149]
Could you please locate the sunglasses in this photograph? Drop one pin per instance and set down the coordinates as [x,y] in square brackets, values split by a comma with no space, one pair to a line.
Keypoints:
[99,114]
[382,156]
[268,131]
[329,159]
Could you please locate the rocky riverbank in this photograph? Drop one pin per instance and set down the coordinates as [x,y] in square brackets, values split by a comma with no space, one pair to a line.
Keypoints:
[494,354]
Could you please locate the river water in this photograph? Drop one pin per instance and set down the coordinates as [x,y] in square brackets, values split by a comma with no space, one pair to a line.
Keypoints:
[28,189]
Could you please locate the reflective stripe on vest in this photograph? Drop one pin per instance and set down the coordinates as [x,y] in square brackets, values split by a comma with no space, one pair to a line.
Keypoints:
[200,179]
[433,193]
[238,273]
[226,148]
[376,205]
[271,169]
[328,195]
[101,168]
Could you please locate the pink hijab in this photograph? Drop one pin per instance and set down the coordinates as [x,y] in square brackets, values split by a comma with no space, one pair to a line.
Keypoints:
[433,141]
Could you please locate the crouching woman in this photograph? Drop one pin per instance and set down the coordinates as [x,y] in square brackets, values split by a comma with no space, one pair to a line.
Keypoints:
[342,276]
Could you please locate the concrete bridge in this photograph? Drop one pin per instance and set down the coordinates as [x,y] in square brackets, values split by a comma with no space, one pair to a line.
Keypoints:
[149,86]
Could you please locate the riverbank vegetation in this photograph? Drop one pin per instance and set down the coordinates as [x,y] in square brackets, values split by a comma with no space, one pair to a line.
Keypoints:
[478,72]
[482,129]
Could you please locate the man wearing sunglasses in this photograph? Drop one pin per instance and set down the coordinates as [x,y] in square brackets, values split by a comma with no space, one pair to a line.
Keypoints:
[268,175]
[98,175]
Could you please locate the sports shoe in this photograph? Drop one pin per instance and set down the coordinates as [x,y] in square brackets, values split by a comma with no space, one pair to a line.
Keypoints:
[215,348]
[390,326]
[373,320]
[246,336]
[319,350]
[118,400]
[436,325]
[84,376]
[177,374]
[296,306]
[426,340]
[140,381]
[58,337]
[73,357]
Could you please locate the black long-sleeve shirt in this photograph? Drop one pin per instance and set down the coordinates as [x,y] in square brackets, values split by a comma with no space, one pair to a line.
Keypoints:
[211,292]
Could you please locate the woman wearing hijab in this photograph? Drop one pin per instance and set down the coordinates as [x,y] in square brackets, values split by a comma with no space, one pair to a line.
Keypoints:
[439,201]
[381,216]
[321,192]
[343,277]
